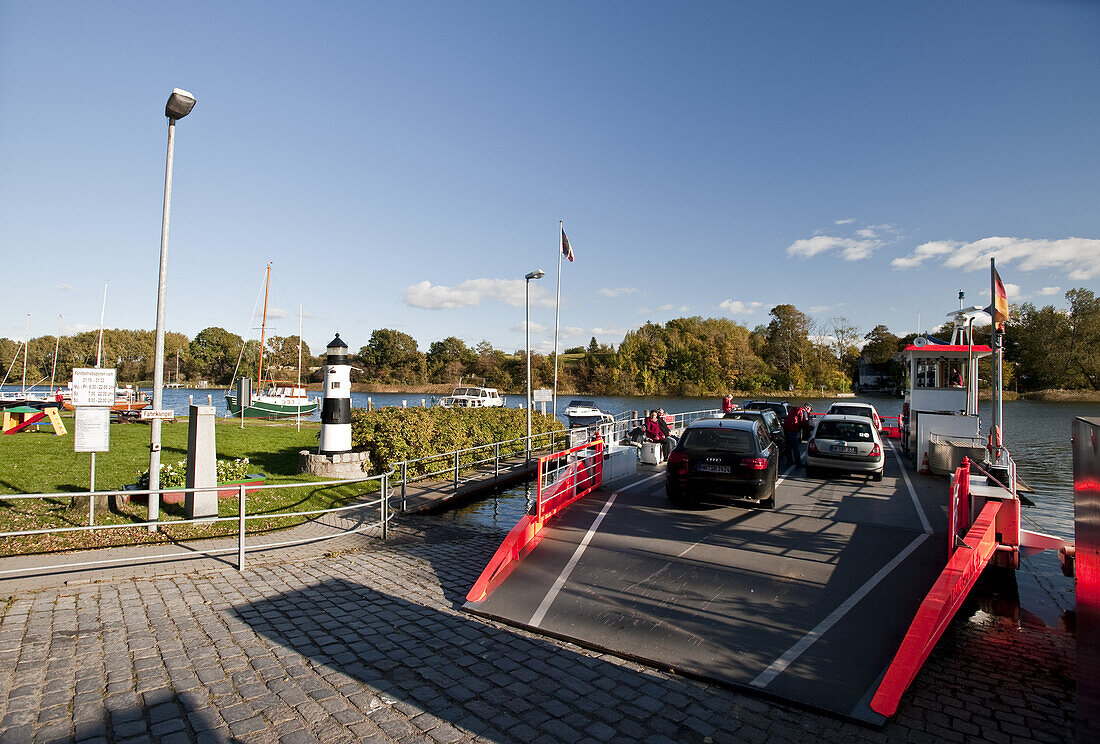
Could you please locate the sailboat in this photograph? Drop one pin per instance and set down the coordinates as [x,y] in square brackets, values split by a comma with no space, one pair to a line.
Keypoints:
[280,398]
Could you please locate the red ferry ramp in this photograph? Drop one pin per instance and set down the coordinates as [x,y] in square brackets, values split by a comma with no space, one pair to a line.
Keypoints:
[807,602]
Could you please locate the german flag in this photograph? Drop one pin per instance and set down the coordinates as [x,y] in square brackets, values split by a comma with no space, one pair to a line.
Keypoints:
[1000,300]
[566,249]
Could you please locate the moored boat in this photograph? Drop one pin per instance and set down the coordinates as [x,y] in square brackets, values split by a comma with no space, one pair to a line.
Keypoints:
[280,400]
[466,395]
[585,413]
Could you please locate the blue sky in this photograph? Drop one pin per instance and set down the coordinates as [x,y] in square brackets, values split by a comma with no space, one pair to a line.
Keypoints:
[403,165]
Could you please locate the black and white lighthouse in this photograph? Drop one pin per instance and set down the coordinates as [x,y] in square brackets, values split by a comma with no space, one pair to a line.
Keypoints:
[336,409]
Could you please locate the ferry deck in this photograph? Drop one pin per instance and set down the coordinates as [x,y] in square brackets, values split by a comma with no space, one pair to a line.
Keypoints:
[807,602]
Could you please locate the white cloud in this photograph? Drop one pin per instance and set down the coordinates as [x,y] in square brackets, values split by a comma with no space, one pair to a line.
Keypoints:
[737,307]
[609,331]
[923,252]
[815,309]
[571,331]
[684,309]
[78,328]
[847,221]
[276,312]
[644,311]
[617,291]
[535,327]
[64,287]
[471,292]
[849,249]
[665,308]
[1078,257]
[1049,291]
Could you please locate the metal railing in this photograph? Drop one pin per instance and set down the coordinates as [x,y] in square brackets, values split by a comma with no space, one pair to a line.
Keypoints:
[450,466]
[380,504]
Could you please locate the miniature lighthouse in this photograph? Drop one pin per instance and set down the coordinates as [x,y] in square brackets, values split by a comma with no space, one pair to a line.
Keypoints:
[336,410]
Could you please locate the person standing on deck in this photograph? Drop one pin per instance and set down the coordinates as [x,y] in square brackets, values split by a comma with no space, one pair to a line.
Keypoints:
[792,430]
[727,403]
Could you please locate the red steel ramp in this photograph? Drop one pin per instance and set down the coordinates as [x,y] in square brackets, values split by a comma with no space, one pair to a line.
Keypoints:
[808,602]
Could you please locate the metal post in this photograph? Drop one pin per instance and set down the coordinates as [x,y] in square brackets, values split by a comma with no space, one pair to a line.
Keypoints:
[385,506]
[240,529]
[496,459]
[456,470]
[527,335]
[404,483]
[91,496]
[158,349]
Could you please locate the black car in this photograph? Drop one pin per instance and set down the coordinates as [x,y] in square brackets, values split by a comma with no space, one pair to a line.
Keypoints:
[767,416]
[781,409]
[727,459]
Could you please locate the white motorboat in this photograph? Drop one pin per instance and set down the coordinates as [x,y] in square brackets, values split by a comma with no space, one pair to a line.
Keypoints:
[585,413]
[472,396]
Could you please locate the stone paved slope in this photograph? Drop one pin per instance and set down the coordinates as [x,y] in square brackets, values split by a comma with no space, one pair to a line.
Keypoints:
[363,641]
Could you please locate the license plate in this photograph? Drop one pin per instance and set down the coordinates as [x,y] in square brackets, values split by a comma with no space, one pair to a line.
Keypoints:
[708,468]
[842,449]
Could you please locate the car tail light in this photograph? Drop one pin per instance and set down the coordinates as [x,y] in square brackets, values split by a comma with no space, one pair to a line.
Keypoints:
[756,463]
[679,460]
[812,447]
[878,422]
[876,451]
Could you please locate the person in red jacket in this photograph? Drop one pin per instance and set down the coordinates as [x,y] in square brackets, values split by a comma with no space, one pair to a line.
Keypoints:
[727,403]
[655,433]
[792,430]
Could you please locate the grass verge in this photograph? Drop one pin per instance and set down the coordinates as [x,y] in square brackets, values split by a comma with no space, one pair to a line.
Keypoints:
[39,462]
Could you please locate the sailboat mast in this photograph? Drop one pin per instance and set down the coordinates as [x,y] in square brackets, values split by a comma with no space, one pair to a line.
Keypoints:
[263,329]
[56,346]
[26,348]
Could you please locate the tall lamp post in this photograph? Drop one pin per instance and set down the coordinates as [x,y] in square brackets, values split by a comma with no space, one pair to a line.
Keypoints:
[179,105]
[536,274]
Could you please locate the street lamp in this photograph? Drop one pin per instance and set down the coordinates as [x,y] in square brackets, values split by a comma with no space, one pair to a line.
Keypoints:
[179,105]
[536,274]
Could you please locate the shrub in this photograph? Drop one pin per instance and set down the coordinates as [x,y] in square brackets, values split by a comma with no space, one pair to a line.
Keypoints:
[392,435]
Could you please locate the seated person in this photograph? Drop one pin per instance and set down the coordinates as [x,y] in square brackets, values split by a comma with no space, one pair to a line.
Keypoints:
[669,441]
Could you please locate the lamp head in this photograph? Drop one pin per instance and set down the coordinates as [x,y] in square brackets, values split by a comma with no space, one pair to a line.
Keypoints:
[536,274]
[179,104]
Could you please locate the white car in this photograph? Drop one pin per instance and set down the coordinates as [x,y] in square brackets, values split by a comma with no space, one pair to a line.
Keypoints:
[856,409]
[851,444]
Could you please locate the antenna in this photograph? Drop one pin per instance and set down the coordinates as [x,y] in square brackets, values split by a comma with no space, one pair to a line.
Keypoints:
[962,296]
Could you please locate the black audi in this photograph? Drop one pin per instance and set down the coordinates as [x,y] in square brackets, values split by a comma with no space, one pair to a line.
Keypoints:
[726,459]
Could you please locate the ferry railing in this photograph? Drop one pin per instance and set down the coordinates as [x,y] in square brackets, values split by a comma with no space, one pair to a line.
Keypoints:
[378,505]
[562,478]
[619,429]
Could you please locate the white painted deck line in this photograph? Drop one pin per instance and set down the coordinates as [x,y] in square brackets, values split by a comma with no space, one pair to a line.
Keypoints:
[551,595]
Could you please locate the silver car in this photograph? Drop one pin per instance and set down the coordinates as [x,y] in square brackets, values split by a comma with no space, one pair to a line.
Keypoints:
[847,443]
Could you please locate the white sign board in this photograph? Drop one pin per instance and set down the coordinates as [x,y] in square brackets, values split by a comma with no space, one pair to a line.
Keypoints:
[542,395]
[150,413]
[93,429]
[93,387]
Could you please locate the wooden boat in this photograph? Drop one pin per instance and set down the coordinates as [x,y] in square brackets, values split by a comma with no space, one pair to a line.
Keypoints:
[279,398]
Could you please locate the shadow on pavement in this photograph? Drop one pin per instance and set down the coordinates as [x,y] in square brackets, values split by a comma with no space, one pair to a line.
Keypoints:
[499,684]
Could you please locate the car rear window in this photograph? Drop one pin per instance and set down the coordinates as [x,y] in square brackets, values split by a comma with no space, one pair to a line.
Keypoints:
[850,411]
[848,431]
[735,441]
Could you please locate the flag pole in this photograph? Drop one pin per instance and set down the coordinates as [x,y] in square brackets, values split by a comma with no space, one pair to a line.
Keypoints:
[557,307]
[997,337]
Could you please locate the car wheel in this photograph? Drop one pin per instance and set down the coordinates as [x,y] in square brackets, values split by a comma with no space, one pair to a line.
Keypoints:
[877,475]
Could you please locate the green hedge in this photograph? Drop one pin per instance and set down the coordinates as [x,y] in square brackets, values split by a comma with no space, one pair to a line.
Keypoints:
[392,435]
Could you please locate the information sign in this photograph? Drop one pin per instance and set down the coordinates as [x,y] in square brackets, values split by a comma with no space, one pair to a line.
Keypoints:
[93,429]
[542,395]
[150,413]
[93,387]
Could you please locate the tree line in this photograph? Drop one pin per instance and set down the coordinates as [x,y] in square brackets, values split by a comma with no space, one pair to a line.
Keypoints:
[1046,347]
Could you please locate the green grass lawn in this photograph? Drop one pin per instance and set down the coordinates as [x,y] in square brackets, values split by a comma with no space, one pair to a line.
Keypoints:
[39,462]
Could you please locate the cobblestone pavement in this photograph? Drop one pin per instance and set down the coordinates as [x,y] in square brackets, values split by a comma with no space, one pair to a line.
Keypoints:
[366,643]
